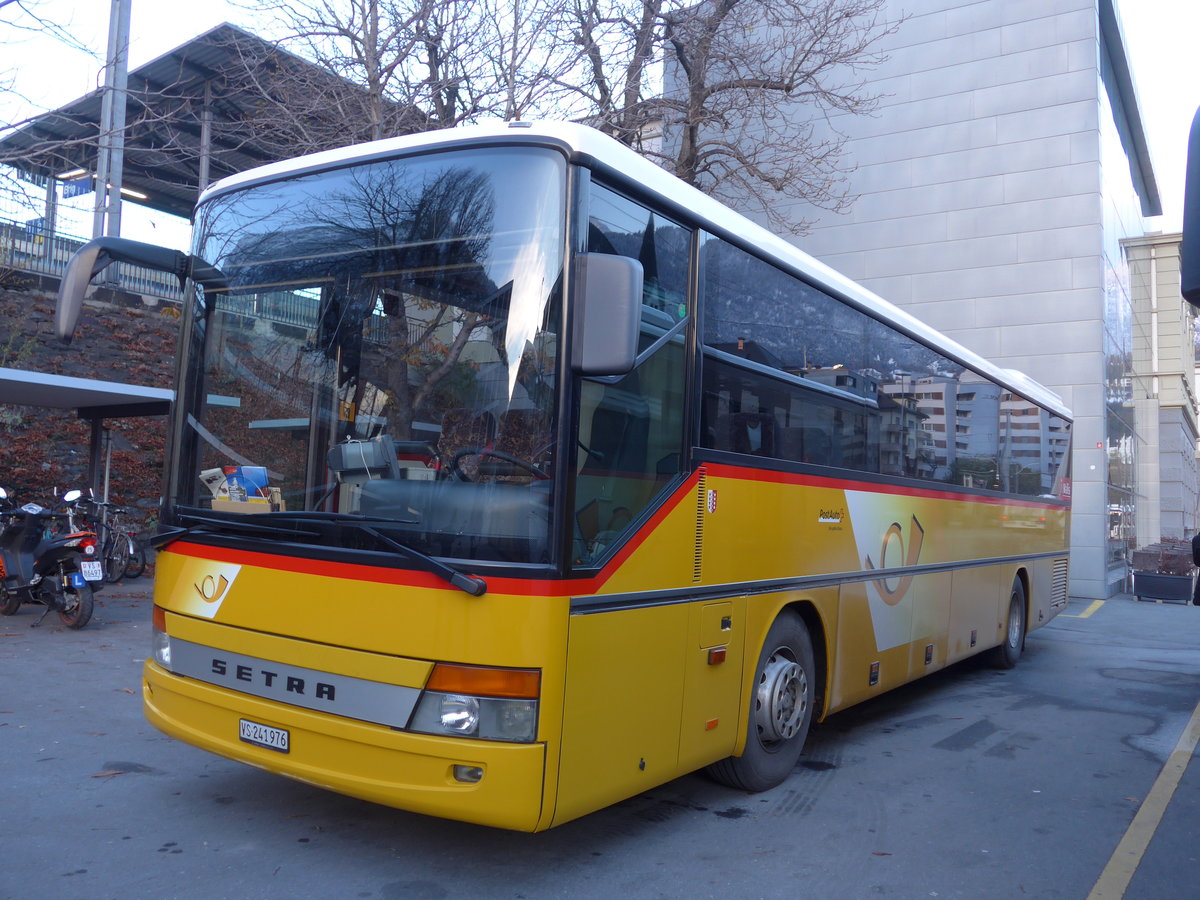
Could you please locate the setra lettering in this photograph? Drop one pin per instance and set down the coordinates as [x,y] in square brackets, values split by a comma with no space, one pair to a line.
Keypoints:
[291,684]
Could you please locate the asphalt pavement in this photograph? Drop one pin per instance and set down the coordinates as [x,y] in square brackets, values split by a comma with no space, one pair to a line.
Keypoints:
[1071,776]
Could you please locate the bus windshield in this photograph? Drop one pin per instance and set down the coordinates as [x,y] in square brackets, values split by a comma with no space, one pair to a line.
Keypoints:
[386,348]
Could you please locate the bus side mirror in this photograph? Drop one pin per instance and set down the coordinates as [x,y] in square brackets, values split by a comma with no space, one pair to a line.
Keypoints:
[608,313]
[99,253]
[1189,251]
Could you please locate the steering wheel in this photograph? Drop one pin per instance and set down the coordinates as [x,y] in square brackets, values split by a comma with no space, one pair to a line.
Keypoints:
[498,454]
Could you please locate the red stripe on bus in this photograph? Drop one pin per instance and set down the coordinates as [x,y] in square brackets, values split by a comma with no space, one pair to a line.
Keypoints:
[740,473]
[562,587]
[552,587]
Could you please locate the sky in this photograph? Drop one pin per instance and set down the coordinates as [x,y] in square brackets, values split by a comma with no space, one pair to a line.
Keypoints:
[1160,38]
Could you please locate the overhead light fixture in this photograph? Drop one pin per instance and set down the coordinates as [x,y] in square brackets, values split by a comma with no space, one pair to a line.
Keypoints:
[73,173]
[136,195]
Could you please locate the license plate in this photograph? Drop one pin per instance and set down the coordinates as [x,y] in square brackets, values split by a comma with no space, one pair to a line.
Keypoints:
[92,570]
[263,735]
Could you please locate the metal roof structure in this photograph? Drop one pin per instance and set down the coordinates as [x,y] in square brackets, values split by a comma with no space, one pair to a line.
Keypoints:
[91,398]
[223,102]
[93,401]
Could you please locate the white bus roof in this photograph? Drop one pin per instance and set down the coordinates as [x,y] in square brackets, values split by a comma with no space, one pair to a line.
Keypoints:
[595,147]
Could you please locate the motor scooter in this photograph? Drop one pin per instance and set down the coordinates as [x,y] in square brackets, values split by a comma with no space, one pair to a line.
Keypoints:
[45,559]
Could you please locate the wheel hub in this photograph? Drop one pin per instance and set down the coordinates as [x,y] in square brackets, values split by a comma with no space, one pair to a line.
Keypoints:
[781,699]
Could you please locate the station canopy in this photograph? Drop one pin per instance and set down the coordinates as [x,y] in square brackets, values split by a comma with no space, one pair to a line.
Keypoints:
[92,399]
[225,101]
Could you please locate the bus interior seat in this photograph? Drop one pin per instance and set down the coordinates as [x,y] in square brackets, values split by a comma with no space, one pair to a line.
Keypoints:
[525,434]
[752,433]
[620,433]
[807,444]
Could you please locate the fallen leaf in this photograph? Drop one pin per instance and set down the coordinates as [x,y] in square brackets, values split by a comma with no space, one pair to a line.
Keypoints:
[107,773]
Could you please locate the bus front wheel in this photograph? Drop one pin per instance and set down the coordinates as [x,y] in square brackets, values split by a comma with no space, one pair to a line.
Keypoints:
[1008,654]
[781,709]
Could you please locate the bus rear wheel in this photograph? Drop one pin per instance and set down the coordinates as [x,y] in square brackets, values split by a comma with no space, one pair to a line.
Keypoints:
[1008,654]
[781,710]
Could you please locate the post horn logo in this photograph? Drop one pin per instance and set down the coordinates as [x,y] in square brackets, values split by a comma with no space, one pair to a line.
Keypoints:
[212,585]
[212,590]
[893,590]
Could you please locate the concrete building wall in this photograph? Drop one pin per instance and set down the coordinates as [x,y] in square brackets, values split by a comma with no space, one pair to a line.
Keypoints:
[1164,364]
[1177,475]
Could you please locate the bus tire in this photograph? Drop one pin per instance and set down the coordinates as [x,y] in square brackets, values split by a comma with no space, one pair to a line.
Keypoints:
[781,710]
[1008,654]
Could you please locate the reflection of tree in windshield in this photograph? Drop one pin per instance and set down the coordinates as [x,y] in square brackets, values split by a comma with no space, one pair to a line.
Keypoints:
[401,268]
[426,247]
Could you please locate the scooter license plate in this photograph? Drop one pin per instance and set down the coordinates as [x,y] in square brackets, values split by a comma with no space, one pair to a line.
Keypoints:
[91,569]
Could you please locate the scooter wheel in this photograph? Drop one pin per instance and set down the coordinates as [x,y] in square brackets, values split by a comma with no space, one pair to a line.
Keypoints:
[10,602]
[77,606]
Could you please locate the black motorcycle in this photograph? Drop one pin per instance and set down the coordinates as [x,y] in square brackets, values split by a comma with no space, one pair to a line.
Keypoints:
[45,559]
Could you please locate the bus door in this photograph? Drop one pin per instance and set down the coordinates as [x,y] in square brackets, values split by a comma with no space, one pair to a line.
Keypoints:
[635,529]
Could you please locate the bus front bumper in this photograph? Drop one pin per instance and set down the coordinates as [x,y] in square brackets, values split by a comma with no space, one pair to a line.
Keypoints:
[412,772]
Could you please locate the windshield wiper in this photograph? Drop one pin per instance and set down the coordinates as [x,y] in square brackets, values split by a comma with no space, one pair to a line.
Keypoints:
[319,516]
[471,584]
[210,523]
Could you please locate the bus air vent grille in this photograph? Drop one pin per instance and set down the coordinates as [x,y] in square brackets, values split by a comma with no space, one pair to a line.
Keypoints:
[1058,583]
[701,508]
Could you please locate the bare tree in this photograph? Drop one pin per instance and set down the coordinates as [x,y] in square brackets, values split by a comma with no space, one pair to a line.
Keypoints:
[747,93]
[365,42]
[620,49]
[530,71]
[429,64]
[737,97]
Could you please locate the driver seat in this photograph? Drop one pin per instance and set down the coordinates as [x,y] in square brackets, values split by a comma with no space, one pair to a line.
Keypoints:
[462,429]
[525,434]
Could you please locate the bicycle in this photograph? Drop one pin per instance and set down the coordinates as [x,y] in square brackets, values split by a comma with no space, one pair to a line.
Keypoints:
[128,555]
[124,556]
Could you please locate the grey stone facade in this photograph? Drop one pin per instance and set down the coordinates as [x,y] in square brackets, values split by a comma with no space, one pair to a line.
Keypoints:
[1164,364]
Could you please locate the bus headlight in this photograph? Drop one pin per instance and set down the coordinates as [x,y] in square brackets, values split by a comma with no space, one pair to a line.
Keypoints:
[459,715]
[479,702]
[486,718]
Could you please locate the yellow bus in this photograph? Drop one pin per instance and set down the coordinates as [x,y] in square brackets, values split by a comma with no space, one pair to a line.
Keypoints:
[510,476]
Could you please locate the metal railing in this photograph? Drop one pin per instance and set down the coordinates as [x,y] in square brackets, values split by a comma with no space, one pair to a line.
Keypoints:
[300,309]
[28,250]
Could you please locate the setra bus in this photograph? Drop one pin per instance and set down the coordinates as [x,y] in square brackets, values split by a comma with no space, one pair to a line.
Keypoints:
[509,477]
